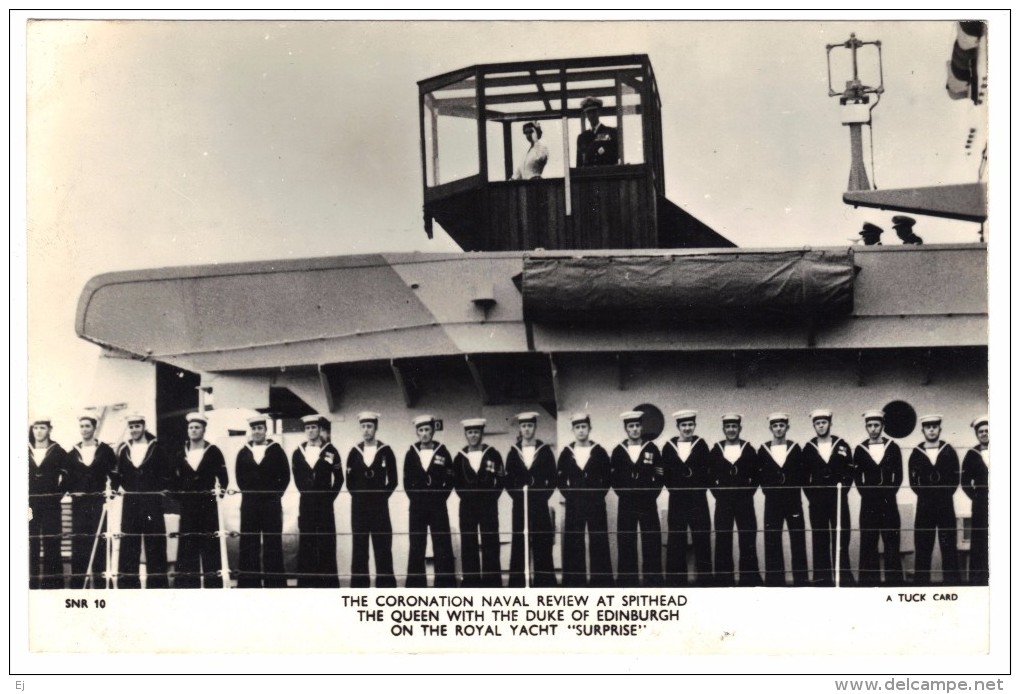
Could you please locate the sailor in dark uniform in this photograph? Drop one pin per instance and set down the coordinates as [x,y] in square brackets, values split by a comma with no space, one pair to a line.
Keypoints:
[146,477]
[878,473]
[263,475]
[734,481]
[685,461]
[318,475]
[974,481]
[200,476]
[637,479]
[781,475]
[428,481]
[600,145]
[91,477]
[531,470]
[828,461]
[934,470]
[584,476]
[371,479]
[47,471]
[478,478]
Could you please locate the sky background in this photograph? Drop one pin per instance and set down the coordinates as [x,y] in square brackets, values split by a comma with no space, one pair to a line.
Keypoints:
[167,143]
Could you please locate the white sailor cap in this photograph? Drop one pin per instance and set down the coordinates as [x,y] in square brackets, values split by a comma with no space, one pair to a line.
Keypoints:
[874,414]
[135,417]
[732,417]
[477,423]
[42,419]
[930,419]
[315,419]
[527,417]
[91,416]
[196,417]
[983,419]
[368,416]
[821,414]
[422,420]
[684,415]
[631,416]
[778,417]
[580,418]
[257,419]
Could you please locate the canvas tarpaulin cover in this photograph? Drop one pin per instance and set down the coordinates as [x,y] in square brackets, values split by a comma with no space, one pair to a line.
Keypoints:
[786,285]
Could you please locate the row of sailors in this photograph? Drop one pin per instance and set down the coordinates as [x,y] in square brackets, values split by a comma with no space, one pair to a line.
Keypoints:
[584,472]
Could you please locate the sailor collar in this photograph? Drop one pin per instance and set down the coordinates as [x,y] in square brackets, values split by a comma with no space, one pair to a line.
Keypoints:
[676,440]
[921,447]
[789,448]
[539,443]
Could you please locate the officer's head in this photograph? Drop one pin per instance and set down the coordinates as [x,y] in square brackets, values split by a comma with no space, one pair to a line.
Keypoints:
[590,106]
[632,424]
[779,424]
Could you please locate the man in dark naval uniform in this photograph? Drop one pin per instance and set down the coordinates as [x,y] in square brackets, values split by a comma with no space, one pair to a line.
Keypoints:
[584,476]
[262,474]
[734,481]
[531,470]
[685,461]
[47,473]
[878,473]
[478,479]
[975,485]
[600,145]
[934,470]
[428,481]
[637,480]
[828,461]
[200,474]
[371,479]
[318,475]
[91,474]
[781,475]
[145,477]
